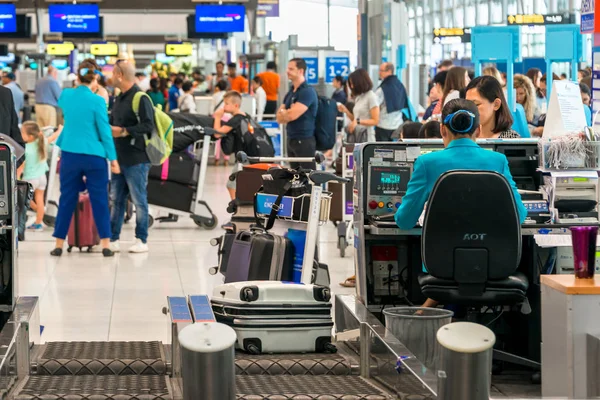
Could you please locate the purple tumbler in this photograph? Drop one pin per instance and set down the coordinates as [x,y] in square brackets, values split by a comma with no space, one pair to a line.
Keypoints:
[584,250]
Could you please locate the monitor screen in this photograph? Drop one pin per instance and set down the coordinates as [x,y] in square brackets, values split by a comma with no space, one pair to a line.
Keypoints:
[71,18]
[389,180]
[23,28]
[220,18]
[8,18]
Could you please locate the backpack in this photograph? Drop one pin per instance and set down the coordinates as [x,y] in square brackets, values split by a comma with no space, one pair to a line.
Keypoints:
[159,145]
[256,142]
[326,124]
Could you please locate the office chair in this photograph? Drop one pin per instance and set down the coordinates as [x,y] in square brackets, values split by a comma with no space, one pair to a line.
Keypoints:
[471,245]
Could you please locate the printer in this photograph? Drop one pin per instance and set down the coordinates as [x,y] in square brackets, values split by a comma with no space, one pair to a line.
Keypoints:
[573,196]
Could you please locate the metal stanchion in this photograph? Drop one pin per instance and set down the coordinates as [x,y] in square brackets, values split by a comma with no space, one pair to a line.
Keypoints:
[208,361]
[466,371]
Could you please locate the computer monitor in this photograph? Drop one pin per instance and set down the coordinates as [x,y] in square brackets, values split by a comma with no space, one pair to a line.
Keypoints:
[523,163]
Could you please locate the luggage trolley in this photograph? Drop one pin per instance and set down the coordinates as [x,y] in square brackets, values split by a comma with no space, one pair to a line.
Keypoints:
[306,212]
[342,208]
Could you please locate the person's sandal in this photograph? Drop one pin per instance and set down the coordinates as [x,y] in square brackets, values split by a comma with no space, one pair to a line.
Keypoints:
[56,252]
[108,253]
[349,283]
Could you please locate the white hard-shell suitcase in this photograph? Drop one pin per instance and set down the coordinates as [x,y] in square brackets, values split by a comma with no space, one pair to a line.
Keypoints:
[276,317]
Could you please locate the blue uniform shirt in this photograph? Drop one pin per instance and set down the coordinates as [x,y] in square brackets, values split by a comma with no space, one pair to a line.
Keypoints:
[173,97]
[460,154]
[304,126]
[47,91]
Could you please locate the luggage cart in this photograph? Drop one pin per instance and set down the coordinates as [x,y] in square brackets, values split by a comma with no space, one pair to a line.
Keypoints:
[343,216]
[312,211]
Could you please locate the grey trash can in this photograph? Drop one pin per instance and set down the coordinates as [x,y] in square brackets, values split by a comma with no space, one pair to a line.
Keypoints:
[416,328]
[208,361]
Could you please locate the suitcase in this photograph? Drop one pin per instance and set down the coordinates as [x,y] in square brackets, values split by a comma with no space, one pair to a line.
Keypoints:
[225,244]
[257,255]
[83,232]
[249,181]
[178,168]
[170,195]
[276,317]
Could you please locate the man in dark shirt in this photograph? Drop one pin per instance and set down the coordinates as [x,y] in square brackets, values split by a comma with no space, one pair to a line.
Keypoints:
[299,112]
[130,132]
[9,121]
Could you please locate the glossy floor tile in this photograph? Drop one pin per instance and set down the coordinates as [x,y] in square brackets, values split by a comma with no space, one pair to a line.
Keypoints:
[84,296]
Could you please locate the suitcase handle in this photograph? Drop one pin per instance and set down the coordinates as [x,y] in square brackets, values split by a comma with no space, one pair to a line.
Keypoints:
[245,236]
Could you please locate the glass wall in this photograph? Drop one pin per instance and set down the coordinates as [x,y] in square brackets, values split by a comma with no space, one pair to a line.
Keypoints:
[425,15]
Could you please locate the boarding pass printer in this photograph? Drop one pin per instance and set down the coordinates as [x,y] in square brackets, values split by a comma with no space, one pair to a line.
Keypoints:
[573,196]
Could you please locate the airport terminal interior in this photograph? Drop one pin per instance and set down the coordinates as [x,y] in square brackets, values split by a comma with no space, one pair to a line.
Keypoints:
[299,199]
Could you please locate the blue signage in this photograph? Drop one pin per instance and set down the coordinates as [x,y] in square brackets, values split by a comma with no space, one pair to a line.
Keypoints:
[335,66]
[312,70]
[264,204]
[72,18]
[220,19]
[8,18]
[587,16]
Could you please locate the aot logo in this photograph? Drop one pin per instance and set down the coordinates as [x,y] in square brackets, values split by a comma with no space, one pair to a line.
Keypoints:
[474,236]
[587,6]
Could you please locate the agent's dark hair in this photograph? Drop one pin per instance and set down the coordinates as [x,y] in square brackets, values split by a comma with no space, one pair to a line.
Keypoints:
[587,81]
[455,80]
[258,80]
[340,79]
[272,65]
[446,64]
[585,89]
[440,78]
[155,85]
[350,106]
[86,73]
[430,130]
[300,63]
[360,82]
[187,86]
[461,117]
[410,130]
[554,78]
[489,88]
[232,65]
[532,74]
[222,85]
[584,73]
[178,81]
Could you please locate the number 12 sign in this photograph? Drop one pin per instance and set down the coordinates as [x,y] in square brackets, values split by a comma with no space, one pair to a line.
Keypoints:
[337,66]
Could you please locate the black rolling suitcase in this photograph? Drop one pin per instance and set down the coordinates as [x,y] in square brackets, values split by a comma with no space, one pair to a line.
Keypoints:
[260,256]
[225,244]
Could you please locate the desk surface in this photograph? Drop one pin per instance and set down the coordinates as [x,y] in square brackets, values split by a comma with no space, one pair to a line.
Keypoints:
[568,284]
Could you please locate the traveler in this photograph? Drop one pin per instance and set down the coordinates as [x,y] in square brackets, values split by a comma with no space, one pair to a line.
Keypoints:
[260,96]
[543,83]
[535,74]
[299,112]
[9,121]
[130,131]
[493,71]
[236,82]
[456,80]
[445,65]
[47,93]
[232,102]
[410,130]
[366,104]
[340,94]
[582,73]
[34,168]
[439,82]
[96,86]
[142,81]
[158,98]
[526,98]
[459,130]
[8,81]
[186,102]
[430,130]
[586,98]
[495,116]
[218,103]
[200,84]
[270,83]
[392,98]
[86,143]
[174,94]
[218,76]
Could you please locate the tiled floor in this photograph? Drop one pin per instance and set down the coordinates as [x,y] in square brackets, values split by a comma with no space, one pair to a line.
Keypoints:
[87,297]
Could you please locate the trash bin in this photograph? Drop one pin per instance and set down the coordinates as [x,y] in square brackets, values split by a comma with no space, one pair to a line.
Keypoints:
[416,328]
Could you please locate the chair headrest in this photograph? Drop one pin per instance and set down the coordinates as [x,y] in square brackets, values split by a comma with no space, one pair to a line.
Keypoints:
[471,210]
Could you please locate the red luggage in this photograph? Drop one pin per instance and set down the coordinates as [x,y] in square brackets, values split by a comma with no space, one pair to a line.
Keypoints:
[83,232]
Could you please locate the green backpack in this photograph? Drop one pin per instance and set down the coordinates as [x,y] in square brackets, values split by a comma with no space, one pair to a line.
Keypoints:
[159,145]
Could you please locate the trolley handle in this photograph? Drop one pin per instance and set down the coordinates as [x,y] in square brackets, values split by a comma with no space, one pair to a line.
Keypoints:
[243,158]
[321,177]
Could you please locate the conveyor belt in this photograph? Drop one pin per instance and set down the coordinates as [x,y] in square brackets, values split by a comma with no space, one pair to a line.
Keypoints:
[292,364]
[101,358]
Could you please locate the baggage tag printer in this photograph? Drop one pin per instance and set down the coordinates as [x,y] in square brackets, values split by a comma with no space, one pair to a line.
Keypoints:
[573,196]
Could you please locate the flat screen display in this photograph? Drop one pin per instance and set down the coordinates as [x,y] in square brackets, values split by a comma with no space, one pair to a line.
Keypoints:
[8,18]
[391,180]
[220,18]
[71,18]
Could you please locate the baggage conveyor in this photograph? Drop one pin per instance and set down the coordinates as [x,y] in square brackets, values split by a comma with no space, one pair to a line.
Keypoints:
[150,370]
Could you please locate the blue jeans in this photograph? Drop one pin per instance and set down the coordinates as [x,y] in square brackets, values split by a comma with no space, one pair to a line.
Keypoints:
[132,181]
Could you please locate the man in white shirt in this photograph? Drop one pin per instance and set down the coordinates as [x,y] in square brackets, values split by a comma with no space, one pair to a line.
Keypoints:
[260,96]
[391,95]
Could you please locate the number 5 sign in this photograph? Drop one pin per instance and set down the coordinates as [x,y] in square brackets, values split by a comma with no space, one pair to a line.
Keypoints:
[312,70]
[336,66]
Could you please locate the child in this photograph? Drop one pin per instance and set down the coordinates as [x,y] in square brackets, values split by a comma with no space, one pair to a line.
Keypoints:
[34,168]
[430,130]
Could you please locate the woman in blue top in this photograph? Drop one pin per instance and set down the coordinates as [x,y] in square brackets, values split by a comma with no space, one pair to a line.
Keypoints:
[86,143]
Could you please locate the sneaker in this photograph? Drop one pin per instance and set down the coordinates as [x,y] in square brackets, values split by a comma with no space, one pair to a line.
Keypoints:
[35,227]
[139,247]
[115,247]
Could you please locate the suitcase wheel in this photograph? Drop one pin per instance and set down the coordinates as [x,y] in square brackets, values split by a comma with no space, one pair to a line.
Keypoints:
[253,346]
[213,270]
[323,345]
[89,249]
[70,249]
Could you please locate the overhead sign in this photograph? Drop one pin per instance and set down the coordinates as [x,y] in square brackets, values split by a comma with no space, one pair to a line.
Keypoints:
[63,49]
[335,66]
[539,19]
[312,70]
[8,18]
[70,18]
[220,18]
[268,8]
[105,49]
[178,49]
[451,35]
[587,16]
